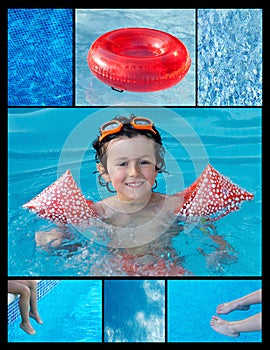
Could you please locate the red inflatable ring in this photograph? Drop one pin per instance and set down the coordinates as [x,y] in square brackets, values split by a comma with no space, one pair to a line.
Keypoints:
[138,59]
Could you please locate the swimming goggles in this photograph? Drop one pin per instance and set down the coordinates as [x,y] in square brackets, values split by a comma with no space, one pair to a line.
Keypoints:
[114,126]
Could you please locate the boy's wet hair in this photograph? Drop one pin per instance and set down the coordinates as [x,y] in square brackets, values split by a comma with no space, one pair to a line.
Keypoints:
[128,131]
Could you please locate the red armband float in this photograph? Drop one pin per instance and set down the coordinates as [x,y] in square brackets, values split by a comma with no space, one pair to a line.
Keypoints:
[212,196]
[62,202]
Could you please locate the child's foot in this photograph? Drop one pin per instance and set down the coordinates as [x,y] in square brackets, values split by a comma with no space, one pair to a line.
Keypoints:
[36,317]
[27,328]
[223,327]
[225,308]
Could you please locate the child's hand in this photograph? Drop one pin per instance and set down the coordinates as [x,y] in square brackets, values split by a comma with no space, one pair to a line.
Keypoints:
[53,238]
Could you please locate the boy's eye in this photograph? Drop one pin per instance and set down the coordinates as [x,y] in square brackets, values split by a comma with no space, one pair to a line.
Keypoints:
[123,164]
[144,162]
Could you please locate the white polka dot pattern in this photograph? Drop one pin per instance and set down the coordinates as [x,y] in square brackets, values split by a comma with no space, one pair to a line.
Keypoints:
[62,202]
[212,196]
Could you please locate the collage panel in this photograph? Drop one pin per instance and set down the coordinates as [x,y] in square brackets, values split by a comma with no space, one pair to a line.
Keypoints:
[40,57]
[135,56]
[229,51]
[214,311]
[47,311]
[75,214]
[134,311]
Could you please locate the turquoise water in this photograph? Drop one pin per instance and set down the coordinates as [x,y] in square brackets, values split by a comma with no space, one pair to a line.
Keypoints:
[191,305]
[71,312]
[92,23]
[230,57]
[134,311]
[43,143]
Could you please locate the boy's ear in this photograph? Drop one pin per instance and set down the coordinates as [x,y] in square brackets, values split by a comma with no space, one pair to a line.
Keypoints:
[103,173]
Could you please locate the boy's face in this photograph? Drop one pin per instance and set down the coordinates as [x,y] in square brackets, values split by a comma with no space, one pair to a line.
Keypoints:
[131,165]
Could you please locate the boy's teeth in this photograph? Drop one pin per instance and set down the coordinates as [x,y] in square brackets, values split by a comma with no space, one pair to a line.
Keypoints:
[134,184]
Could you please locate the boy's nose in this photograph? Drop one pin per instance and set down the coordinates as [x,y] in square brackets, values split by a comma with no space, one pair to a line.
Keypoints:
[133,169]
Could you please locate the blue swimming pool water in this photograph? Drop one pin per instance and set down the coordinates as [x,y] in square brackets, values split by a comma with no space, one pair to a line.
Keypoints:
[44,143]
[230,57]
[191,305]
[40,57]
[92,23]
[71,312]
[134,311]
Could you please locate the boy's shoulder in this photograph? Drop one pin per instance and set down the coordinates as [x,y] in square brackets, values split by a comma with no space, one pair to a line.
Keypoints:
[101,208]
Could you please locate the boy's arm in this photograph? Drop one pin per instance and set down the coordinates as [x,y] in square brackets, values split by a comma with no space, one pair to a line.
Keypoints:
[52,238]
